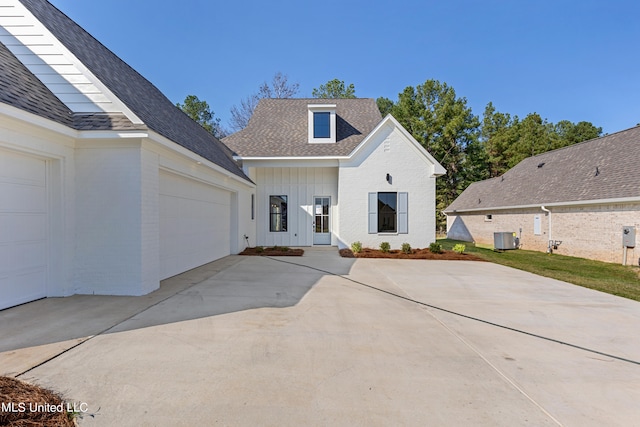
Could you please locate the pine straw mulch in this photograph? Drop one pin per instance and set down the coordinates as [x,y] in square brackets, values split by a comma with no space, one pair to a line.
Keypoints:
[415,254]
[21,395]
[273,251]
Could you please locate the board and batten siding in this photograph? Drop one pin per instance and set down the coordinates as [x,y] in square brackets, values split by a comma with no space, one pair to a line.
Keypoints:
[300,185]
[49,60]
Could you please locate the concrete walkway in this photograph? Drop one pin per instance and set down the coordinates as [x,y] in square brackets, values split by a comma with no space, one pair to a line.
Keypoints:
[306,341]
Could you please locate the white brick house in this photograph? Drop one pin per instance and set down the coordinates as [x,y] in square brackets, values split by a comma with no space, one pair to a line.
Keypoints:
[584,196]
[333,172]
[105,186]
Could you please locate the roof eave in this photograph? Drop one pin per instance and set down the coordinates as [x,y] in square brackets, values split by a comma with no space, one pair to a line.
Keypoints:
[617,200]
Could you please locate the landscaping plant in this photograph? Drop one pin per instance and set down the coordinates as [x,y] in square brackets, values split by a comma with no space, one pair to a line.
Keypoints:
[435,248]
[406,248]
[356,247]
[385,247]
[459,248]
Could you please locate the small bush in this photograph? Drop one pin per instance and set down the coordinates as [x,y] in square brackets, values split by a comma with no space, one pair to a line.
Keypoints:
[259,249]
[435,248]
[356,247]
[406,248]
[385,247]
[459,248]
[284,248]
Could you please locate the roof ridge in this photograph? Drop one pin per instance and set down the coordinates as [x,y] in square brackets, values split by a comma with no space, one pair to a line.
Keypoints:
[583,142]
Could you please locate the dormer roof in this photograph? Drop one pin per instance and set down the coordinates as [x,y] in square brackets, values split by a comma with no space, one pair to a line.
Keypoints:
[279,128]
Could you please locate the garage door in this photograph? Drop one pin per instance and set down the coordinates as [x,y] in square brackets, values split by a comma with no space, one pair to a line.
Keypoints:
[23,229]
[194,224]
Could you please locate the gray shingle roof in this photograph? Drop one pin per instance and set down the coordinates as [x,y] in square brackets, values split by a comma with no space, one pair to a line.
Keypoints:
[21,89]
[137,93]
[278,128]
[602,168]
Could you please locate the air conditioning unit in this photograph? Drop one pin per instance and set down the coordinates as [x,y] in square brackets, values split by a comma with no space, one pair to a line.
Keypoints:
[505,240]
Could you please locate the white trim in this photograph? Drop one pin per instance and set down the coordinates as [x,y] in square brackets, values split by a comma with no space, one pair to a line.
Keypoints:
[389,120]
[36,120]
[619,200]
[196,158]
[437,170]
[46,37]
[321,108]
[301,158]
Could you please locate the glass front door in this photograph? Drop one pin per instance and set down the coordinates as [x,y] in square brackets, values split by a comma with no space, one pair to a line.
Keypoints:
[321,220]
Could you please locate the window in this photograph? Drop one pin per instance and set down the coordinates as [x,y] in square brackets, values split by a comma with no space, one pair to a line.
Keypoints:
[488,218]
[387,208]
[321,124]
[388,212]
[277,213]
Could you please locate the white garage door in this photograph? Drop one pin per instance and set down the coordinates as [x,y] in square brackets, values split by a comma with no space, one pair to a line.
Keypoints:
[23,229]
[194,224]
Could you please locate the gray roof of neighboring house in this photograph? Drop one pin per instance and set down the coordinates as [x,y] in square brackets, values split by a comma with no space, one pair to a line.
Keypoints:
[145,100]
[279,128]
[602,168]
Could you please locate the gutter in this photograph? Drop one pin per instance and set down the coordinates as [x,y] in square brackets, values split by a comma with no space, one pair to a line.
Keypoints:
[549,248]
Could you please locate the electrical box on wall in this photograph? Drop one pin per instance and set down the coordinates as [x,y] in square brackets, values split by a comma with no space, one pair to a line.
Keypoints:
[629,236]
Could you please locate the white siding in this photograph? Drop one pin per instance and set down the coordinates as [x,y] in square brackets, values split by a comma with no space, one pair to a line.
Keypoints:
[388,152]
[195,224]
[53,63]
[300,185]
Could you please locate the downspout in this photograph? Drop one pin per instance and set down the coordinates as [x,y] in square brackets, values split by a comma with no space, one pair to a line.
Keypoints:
[549,248]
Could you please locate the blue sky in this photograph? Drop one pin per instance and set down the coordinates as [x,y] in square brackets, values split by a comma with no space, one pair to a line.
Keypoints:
[573,60]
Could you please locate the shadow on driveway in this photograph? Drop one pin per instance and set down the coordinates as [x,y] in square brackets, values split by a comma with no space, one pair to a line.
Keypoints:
[232,284]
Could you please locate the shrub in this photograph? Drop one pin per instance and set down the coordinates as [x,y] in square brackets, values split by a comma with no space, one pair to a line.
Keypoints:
[284,248]
[459,248]
[356,247]
[259,249]
[385,247]
[435,248]
[406,248]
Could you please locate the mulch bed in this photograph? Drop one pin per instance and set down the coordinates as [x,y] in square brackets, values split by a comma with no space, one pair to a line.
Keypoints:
[415,254]
[272,251]
[25,397]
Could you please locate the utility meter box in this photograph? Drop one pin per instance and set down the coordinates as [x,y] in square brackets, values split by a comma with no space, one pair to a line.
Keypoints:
[629,236]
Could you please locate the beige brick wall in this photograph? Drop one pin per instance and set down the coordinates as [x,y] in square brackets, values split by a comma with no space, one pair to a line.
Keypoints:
[593,232]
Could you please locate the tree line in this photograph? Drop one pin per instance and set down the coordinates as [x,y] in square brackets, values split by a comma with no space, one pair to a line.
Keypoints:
[471,148]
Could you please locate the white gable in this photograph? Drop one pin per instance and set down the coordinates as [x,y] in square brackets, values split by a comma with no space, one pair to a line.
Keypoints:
[49,60]
[380,135]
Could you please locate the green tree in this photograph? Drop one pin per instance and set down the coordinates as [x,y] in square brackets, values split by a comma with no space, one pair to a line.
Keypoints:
[385,105]
[571,133]
[497,134]
[447,128]
[507,141]
[200,112]
[334,89]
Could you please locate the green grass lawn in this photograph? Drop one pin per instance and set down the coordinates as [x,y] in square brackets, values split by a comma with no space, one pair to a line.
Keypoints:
[614,279]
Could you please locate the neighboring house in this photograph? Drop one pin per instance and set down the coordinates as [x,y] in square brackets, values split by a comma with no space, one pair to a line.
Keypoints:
[333,172]
[105,186]
[583,196]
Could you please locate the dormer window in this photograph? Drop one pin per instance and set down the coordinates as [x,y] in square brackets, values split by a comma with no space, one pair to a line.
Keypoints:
[322,123]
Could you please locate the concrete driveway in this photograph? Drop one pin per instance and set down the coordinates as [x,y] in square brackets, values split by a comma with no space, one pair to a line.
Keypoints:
[309,341]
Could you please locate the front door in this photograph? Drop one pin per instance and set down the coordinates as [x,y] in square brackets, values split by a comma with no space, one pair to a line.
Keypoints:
[321,218]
